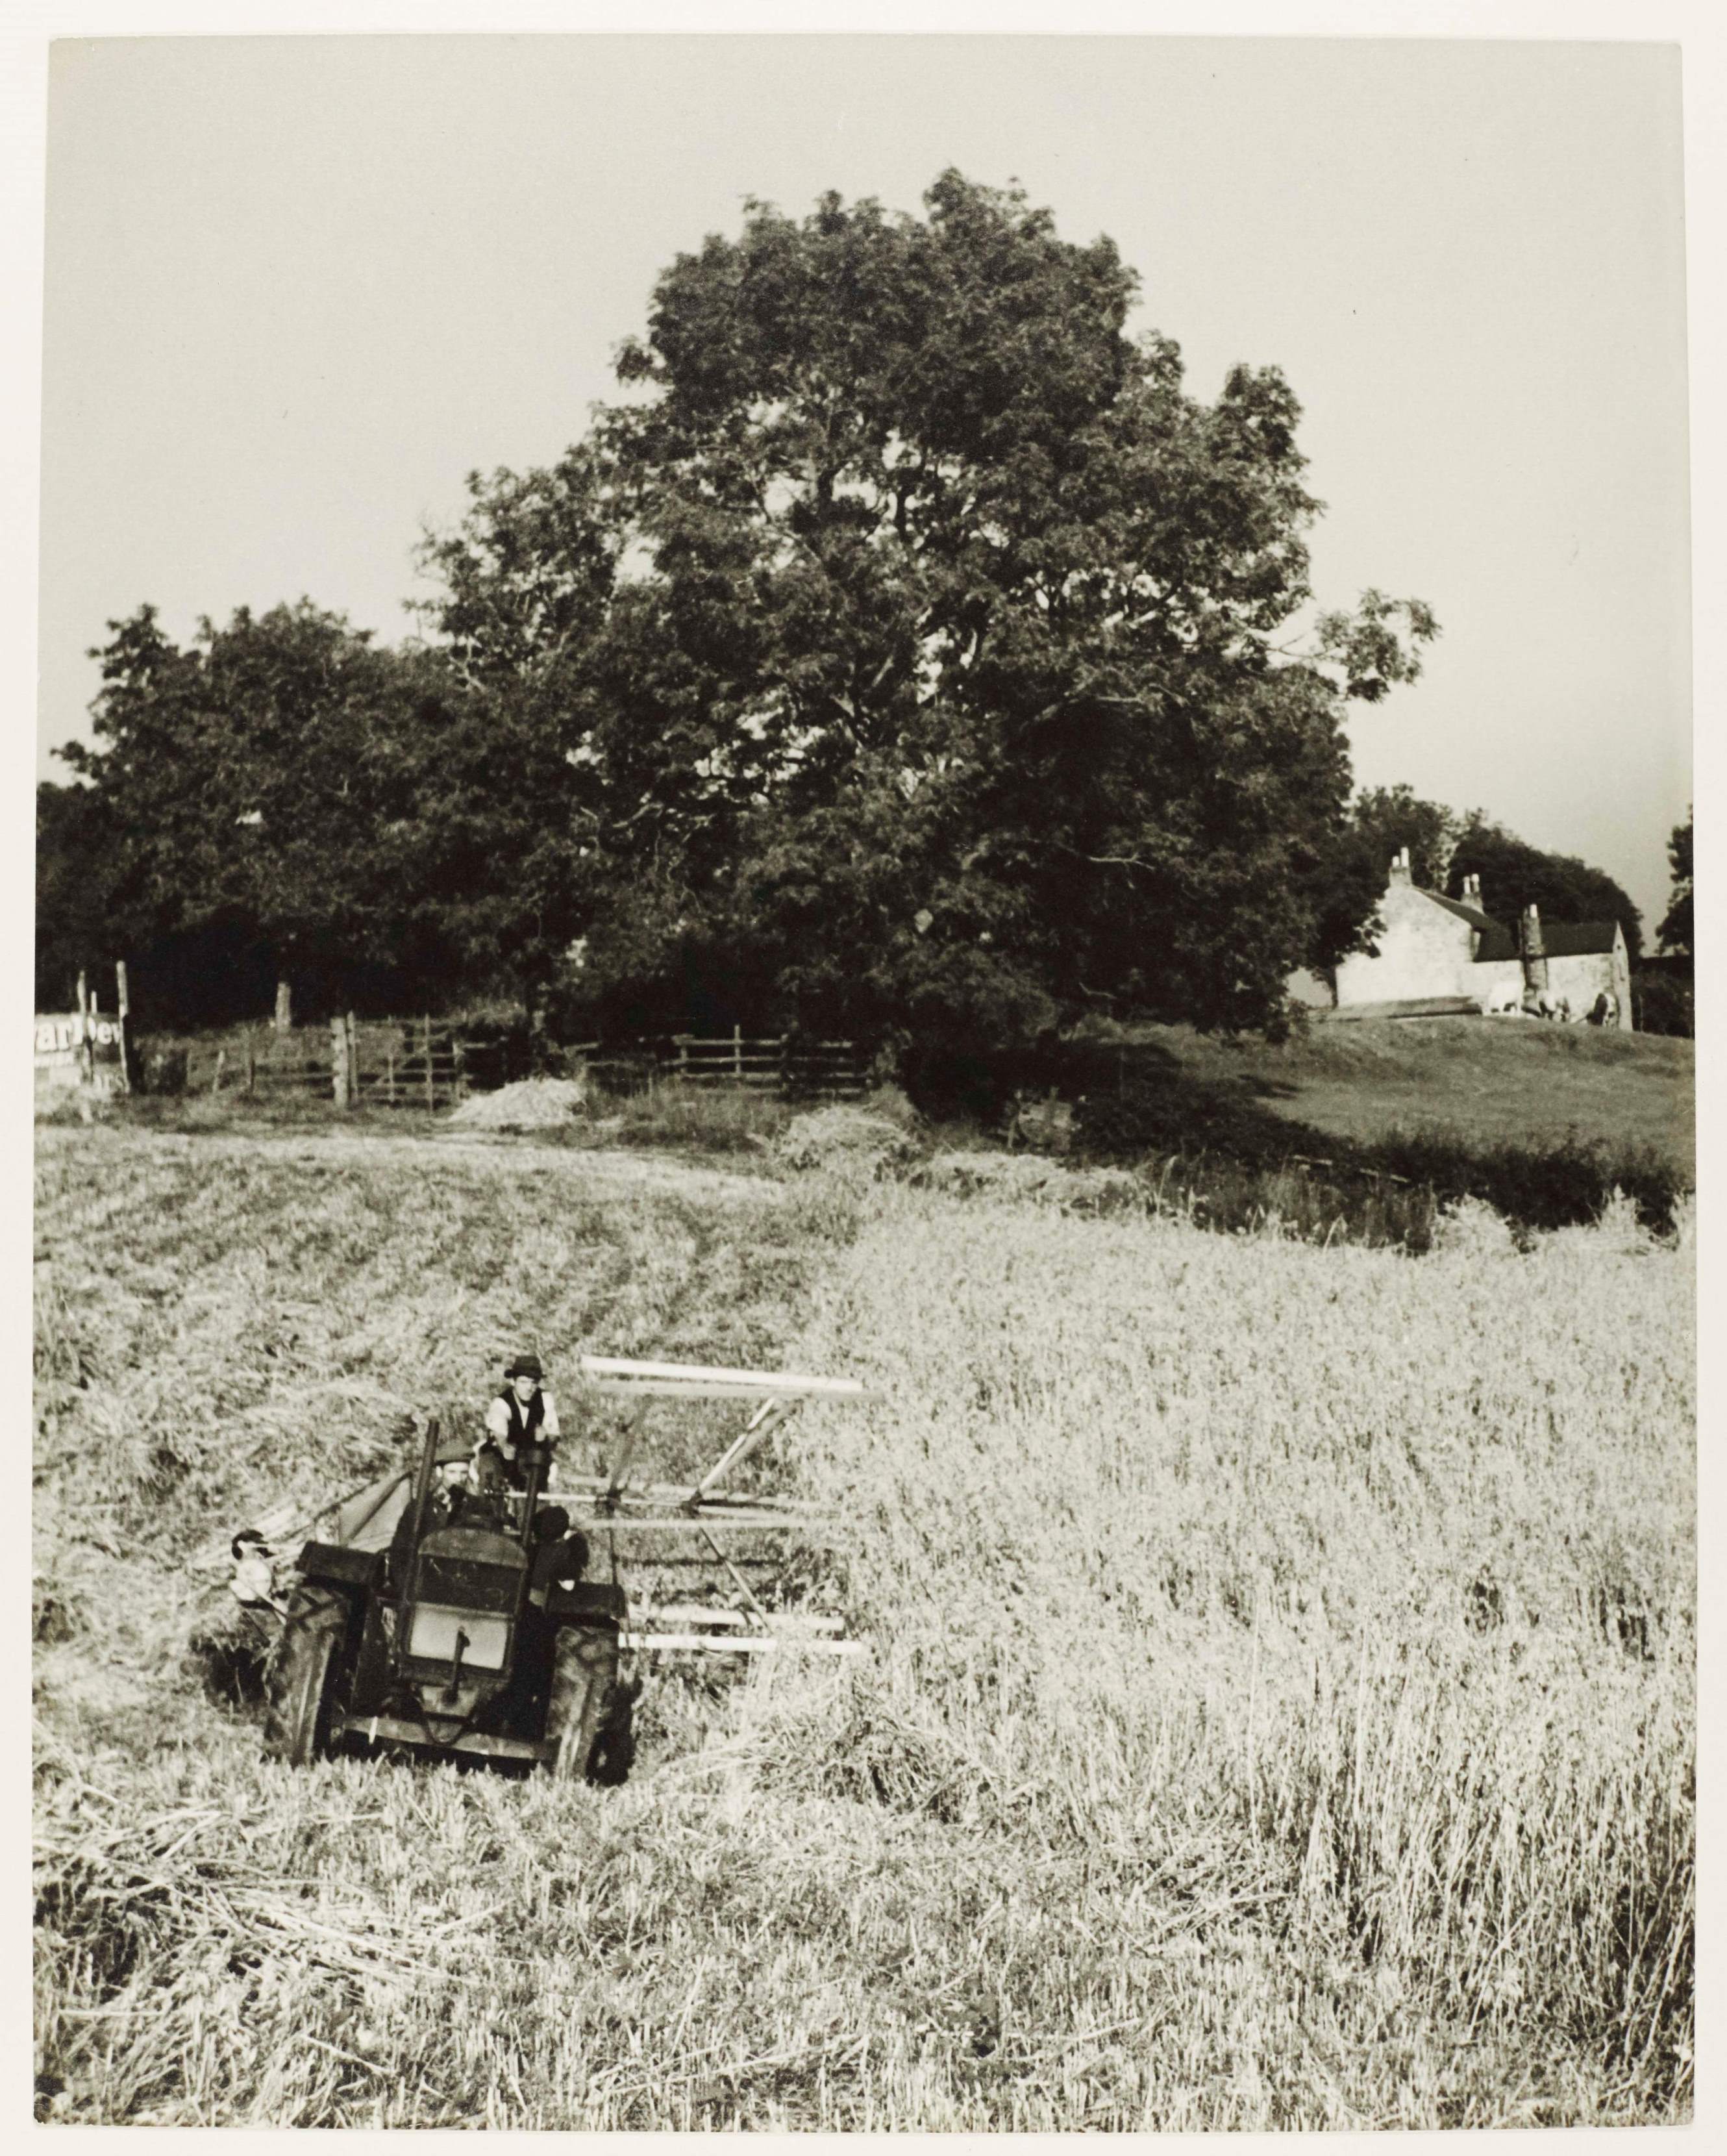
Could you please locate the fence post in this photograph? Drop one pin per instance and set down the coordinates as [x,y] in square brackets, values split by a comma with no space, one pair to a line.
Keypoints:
[390,1075]
[86,1032]
[431,1096]
[339,1062]
[251,1069]
[221,1065]
[737,1054]
[353,1041]
[123,1007]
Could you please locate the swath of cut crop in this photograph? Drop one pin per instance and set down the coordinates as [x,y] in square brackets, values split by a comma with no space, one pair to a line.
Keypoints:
[1282,1711]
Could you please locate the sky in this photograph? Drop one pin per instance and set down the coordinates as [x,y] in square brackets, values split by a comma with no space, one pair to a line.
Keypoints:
[297,289]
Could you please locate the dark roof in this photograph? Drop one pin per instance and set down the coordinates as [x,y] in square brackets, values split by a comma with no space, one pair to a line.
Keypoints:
[1561,939]
[1479,921]
[1574,939]
[1495,942]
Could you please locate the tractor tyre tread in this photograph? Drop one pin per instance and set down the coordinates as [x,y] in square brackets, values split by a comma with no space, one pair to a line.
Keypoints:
[301,1676]
[584,1688]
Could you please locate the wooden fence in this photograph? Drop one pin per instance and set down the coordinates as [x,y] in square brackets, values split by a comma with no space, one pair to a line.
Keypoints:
[809,1068]
[396,1063]
[796,1069]
[427,1063]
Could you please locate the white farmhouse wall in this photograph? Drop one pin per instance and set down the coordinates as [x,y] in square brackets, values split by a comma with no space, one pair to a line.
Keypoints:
[1424,950]
[1578,979]
[1582,978]
[1499,983]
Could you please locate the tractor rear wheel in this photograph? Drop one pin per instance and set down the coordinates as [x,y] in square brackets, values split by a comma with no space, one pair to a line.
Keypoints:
[302,1677]
[583,1683]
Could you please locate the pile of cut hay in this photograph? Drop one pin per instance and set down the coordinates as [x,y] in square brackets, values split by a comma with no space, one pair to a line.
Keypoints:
[1034,1176]
[531,1104]
[844,1140]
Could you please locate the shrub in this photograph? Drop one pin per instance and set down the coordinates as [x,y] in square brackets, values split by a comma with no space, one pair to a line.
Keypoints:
[1664,1005]
[709,1118]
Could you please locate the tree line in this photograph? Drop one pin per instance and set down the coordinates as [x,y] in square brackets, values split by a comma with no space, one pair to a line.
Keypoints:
[905,652]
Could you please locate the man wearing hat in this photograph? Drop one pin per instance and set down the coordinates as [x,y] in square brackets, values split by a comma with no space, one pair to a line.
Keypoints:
[523,1413]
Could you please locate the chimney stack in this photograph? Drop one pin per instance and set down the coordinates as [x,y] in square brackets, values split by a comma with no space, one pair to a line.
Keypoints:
[1400,866]
[1472,893]
[1532,948]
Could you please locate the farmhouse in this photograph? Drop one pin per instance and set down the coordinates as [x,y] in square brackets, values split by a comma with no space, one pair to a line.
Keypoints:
[1434,950]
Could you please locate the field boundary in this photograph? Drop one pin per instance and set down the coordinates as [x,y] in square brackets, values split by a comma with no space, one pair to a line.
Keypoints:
[431,1064]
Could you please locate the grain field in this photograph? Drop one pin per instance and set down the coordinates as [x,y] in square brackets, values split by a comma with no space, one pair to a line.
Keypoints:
[1280,1714]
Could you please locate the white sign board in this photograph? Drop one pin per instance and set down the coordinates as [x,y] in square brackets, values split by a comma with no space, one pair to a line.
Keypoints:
[78,1048]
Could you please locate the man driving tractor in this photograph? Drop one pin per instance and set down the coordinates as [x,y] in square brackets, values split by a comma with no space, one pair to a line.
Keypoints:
[523,1413]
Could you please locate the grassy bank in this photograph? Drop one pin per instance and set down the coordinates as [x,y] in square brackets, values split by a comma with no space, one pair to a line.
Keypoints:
[1493,1081]
[1281,1710]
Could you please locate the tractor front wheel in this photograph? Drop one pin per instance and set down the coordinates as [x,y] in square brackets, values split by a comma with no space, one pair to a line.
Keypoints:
[583,1685]
[302,1677]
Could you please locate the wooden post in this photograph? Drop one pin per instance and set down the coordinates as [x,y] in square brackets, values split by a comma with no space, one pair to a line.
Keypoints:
[431,1095]
[251,1068]
[221,1065]
[86,1051]
[339,1062]
[390,1075]
[284,1007]
[737,1054]
[123,1007]
[352,1038]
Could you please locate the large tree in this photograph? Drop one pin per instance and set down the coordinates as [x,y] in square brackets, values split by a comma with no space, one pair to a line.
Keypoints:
[241,772]
[77,929]
[924,646]
[1514,875]
[1389,818]
[284,794]
[1676,930]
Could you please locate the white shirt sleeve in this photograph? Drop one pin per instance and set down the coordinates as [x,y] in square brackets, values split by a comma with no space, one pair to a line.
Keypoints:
[549,1427]
[497,1421]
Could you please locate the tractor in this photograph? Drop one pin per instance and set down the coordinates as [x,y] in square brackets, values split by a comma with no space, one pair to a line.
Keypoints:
[461,1621]
[473,1631]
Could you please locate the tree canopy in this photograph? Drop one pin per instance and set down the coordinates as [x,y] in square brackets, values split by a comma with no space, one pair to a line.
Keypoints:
[1676,930]
[906,649]
[1514,875]
[1389,818]
[922,643]
[77,927]
[285,797]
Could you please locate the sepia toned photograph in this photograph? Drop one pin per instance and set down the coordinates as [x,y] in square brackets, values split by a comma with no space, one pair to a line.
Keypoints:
[865,1141]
